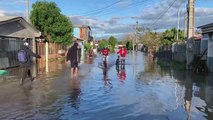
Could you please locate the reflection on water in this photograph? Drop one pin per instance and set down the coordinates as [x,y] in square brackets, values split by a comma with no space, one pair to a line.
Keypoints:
[75,93]
[149,93]
[188,94]
[48,67]
[121,72]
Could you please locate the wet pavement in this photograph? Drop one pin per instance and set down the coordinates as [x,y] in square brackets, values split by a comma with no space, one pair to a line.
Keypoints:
[141,91]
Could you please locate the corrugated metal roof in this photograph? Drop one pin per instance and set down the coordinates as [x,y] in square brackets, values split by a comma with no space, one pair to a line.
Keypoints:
[28,31]
[206,26]
[7,18]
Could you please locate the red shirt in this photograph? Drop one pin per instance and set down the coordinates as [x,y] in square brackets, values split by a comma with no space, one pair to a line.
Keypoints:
[122,75]
[105,52]
[122,52]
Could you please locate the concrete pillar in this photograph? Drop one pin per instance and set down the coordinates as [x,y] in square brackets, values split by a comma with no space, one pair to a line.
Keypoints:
[47,56]
[185,25]
[34,68]
[34,48]
[190,32]
[189,53]
[190,18]
[82,53]
[210,53]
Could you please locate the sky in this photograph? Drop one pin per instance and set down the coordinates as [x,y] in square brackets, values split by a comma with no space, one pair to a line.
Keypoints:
[118,17]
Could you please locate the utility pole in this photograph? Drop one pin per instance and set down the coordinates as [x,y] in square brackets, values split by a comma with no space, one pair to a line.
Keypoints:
[135,39]
[27,10]
[190,34]
[190,19]
[178,24]
[185,24]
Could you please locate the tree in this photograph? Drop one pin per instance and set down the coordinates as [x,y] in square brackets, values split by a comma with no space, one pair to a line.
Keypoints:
[46,17]
[112,41]
[129,45]
[103,43]
[127,41]
[120,42]
[87,46]
[170,36]
[151,39]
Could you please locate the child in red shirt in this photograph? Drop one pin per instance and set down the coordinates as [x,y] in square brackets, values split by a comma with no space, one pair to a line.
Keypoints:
[105,53]
[122,53]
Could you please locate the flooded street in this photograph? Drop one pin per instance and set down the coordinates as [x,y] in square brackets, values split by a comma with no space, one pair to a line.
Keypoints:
[141,91]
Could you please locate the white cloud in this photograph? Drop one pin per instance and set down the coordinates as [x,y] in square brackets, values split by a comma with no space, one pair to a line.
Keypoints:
[108,27]
[169,20]
[12,13]
[124,3]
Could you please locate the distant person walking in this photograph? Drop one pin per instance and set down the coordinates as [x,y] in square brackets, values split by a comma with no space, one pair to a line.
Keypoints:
[73,57]
[25,59]
[122,53]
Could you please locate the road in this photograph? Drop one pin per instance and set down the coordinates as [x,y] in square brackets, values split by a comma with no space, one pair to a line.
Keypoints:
[141,91]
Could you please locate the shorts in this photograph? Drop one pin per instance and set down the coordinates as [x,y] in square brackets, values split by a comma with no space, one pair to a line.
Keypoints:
[107,57]
[122,58]
[74,64]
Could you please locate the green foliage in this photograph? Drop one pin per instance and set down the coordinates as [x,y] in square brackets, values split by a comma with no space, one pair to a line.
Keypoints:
[112,41]
[112,48]
[150,39]
[46,17]
[170,36]
[129,45]
[87,46]
[153,39]
[103,43]
[120,42]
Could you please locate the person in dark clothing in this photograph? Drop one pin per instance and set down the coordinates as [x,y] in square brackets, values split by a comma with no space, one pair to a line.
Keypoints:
[26,65]
[73,57]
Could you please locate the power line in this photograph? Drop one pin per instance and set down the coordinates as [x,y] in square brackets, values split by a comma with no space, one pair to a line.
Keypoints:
[164,12]
[104,12]
[131,5]
[97,10]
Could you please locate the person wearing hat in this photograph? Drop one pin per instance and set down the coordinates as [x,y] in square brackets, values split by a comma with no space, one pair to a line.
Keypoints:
[73,57]
[28,54]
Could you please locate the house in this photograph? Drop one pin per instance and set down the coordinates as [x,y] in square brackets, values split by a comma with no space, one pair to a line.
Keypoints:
[207,43]
[82,34]
[14,31]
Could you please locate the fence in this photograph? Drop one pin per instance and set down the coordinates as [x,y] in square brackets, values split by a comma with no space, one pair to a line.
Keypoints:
[177,51]
[55,50]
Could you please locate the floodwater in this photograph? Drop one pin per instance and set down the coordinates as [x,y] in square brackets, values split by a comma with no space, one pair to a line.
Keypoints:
[140,91]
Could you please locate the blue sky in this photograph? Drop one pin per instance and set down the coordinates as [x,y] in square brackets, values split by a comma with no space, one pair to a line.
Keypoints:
[118,17]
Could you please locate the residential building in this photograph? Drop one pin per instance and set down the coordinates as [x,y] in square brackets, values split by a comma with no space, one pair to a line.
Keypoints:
[14,31]
[83,34]
[207,43]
